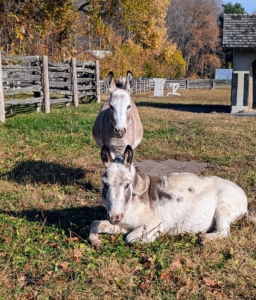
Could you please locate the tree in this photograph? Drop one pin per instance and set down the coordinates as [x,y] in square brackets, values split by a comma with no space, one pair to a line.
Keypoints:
[192,25]
[37,27]
[230,8]
[123,23]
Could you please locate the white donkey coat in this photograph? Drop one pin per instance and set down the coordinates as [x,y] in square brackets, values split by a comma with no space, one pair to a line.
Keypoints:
[145,207]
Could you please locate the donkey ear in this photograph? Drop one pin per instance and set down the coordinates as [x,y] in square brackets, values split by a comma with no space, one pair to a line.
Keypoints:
[106,156]
[111,86]
[128,156]
[129,82]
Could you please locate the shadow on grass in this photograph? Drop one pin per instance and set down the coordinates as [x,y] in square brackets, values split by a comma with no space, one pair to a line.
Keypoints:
[196,108]
[74,221]
[32,171]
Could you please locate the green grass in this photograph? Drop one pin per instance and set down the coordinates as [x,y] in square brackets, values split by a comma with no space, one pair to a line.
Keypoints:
[50,186]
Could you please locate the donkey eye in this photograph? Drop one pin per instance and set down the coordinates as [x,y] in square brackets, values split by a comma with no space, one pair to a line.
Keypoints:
[111,107]
[129,106]
[126,187]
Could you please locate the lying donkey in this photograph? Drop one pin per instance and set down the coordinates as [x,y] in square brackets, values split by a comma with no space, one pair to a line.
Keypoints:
[145,207]
[118,123]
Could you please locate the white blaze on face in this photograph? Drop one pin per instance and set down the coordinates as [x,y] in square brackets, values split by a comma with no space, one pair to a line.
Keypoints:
[120,103]
[117,191]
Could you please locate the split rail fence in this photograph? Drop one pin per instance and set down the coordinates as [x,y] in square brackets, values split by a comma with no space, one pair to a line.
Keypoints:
[45,82]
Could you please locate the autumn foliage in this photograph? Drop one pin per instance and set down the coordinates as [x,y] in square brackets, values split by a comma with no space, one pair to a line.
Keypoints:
[160,38]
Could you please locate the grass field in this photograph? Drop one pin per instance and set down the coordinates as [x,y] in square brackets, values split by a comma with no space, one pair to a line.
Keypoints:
[50,185]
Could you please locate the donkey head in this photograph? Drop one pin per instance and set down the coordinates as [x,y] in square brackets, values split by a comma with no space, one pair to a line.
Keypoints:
[117,183]
[120,102]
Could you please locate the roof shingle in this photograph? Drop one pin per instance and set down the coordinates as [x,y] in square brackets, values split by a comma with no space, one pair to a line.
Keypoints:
[239,31]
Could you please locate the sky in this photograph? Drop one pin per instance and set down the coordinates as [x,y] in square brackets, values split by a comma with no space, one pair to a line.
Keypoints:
[248,5]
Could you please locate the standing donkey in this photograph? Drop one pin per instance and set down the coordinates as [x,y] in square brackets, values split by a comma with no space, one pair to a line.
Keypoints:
[145,207]
[118,123]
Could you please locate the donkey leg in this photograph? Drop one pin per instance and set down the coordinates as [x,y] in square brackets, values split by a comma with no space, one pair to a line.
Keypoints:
[223,221]
[102,227]
[144,234]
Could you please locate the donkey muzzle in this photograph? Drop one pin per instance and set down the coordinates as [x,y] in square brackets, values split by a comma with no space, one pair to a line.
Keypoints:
[115,219]
[120,132]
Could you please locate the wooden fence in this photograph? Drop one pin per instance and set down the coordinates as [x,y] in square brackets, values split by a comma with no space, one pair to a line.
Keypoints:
[142,85]
[46,83]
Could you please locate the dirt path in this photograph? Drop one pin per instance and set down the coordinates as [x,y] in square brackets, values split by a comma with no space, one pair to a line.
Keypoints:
[169,166]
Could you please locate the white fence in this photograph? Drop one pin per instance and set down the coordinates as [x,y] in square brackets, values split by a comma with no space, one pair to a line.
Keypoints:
[142,85]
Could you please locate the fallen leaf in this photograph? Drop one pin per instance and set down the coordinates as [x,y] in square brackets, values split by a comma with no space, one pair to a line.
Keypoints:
[113,237]
[220,295]
[29,297]
[77,255]
[175,265]
[209,282]
[69,240]
[165,276]
[53,245]
[64,265]
[144,286]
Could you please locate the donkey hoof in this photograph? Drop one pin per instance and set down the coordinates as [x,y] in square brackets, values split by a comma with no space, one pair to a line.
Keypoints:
[97,244]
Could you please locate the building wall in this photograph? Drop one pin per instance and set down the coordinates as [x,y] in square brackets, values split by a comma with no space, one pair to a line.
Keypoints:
[243,59]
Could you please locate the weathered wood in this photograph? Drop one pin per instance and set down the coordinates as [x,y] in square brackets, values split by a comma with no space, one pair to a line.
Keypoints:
[29,89]
[46,85]
[63,75]
[60,100]
[24,101]
[86,87]
[98,81]
[21,77]
[86,94]
[2,106]
[52,64]
[32,59]
[84,80]
[74,82]
[85,70]
[59,68]
[22,68]
[60,92]
[59,84]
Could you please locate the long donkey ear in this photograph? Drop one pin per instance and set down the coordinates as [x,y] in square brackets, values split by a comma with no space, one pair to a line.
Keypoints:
[111,86]
[106,156]
[128,156]
[129,82]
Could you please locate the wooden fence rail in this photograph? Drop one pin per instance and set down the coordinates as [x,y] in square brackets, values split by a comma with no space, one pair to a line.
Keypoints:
[45,83]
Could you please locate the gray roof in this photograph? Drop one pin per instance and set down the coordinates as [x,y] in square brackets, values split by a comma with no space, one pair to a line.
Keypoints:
[239,31]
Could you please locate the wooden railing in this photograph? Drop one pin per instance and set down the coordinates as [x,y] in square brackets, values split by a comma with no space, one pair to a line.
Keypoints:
[45,83]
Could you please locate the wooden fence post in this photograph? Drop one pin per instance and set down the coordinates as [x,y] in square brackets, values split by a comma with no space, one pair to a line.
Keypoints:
[74,82]
[2,107]
[98,81]
[46,85]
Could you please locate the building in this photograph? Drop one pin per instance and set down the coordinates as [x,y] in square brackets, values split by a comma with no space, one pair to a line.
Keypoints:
[239,35]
